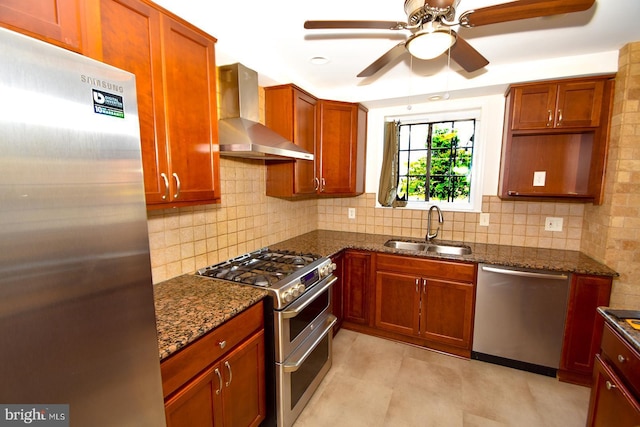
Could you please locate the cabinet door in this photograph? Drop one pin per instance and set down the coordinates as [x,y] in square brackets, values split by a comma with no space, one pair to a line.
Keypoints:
[292,113]
[398,302]
[191,113]
[534,106]
[198,403]
[337,147]
[54,21]
[139,53]
[611,403]
[579,104]
[243,398]
[583,328]
[357,296]
[447,313]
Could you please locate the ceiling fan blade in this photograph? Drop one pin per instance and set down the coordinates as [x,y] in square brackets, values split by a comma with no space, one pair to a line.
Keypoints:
[521,9]
[375,25]
[385,59]
[466,55]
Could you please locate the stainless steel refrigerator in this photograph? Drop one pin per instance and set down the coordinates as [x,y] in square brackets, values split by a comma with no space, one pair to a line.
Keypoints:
[77,320]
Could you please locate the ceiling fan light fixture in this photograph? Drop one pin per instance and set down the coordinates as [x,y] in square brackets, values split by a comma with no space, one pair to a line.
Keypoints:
[427,44]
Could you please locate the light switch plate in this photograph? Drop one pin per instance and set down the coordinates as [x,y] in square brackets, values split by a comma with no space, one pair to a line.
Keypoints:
[484,219]
[352,213]
[539,178]
[553,224]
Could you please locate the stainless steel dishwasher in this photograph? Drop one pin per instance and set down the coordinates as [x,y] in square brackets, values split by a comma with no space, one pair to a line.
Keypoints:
[519,318]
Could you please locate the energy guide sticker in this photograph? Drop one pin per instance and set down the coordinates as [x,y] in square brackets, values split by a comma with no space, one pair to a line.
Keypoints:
[108,104]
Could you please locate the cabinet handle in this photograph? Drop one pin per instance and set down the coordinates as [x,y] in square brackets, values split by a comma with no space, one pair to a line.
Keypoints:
[166,186]
[550,118]
[219,390]
[175,196]
[424,286]
[230,373]
[323,184]
[559,116]
[417,281]
[609,385]
[316,184]
[621,358]
[222,344]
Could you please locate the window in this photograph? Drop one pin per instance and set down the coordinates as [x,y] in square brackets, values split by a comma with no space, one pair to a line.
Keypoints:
[436,162]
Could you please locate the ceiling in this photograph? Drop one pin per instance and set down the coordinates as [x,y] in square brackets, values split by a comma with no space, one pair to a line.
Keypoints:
[268,36]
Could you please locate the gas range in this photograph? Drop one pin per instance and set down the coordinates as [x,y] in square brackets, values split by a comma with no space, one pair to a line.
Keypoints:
[286,275]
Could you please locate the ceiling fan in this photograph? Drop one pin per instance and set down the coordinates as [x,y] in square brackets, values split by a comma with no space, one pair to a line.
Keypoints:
[430,23]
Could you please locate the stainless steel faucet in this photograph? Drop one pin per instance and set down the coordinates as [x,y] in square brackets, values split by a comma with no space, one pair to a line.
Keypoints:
[440,221]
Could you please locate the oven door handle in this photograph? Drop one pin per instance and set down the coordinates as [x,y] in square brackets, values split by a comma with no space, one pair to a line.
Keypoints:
[295,365]
[295,310]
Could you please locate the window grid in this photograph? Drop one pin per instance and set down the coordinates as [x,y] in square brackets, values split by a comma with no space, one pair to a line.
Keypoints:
[435,160]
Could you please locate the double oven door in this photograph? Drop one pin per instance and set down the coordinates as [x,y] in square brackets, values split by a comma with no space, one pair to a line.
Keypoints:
[303,335]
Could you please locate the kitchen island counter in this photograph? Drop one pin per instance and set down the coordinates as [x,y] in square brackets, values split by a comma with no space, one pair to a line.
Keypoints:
[327,243]
[189,306]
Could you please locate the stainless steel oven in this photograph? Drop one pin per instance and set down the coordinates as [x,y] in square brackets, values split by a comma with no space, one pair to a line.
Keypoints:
[300,322]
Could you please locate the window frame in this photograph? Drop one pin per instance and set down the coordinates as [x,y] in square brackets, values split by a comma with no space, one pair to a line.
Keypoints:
[475,198]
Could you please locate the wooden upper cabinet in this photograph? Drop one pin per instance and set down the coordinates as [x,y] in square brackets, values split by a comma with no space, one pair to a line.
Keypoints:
[334,131]
[341,147]
[54,21]
[291,112]
[574,104]
[191,113]
[555,139]
[174,65]
[140,53]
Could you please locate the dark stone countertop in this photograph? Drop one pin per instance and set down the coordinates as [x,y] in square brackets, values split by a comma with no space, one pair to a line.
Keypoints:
[189,306]
[328,243]
[631,335]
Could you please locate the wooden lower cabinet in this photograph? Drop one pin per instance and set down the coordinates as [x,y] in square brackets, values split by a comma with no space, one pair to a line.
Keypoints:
[583,327]
[228,392]
[357,293]
[614,393]
[412,303]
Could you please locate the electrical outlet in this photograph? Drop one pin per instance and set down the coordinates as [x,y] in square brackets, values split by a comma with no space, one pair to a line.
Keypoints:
[352,213]
[539,178]
[484,220]
[553,224]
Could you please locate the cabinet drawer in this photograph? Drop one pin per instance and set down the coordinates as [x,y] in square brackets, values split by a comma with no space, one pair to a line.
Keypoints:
[624,359]
[186,363]
[448,270]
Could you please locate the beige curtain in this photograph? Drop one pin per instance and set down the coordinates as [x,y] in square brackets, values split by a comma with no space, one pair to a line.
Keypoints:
[388,187]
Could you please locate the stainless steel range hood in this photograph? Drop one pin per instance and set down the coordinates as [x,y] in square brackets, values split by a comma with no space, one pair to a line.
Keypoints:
[240,133]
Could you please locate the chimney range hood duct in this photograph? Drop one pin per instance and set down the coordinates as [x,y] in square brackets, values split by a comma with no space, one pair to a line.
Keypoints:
[240,133]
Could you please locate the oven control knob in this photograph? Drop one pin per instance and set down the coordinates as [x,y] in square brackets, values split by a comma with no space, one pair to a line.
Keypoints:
[287,296]
[298,290]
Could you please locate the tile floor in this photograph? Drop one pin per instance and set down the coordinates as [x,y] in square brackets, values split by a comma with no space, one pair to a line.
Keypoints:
[376,382]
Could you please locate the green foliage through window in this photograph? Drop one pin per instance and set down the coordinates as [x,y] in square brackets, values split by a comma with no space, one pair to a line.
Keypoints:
[435,161]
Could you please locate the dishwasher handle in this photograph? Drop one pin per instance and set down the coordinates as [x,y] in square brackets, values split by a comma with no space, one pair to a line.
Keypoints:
[525,273]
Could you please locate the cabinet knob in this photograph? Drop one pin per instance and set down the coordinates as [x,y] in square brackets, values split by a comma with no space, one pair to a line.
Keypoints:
[621,358]
[222,344]
[609,385]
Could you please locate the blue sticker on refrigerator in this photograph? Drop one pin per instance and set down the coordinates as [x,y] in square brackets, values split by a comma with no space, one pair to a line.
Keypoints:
[108,104]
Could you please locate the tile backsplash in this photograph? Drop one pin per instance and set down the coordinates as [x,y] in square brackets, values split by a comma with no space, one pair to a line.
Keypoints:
[510,223]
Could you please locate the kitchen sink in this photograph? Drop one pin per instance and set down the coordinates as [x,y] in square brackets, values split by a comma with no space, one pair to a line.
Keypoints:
[440,247]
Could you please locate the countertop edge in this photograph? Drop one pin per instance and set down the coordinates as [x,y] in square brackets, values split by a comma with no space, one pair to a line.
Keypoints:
[631,335]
